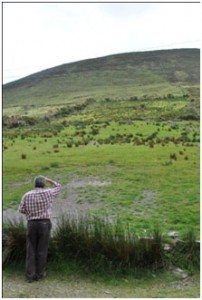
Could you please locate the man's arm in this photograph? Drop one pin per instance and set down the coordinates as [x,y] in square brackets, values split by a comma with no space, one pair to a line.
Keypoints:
[21,207]
[56,186]
[51,181]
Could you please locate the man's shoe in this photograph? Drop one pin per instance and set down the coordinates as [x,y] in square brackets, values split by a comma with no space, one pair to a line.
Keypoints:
[40,277]
[30,280]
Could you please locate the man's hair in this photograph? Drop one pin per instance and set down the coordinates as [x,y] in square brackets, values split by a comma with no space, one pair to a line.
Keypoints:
[39,182]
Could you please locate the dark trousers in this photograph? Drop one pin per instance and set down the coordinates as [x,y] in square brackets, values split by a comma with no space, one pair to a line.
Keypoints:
[38,234]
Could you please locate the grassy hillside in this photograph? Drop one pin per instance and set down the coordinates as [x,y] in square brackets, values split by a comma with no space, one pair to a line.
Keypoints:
[121,76]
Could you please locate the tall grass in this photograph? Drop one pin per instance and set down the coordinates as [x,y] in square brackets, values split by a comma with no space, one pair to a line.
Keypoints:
[99,245]
[97,241]
[14,242]
[187,251]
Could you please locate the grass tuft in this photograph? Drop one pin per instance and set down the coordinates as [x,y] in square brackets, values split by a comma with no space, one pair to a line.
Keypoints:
[14,246]
[186,253]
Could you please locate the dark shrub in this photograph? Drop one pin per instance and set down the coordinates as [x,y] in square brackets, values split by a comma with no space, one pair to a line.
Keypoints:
[173,156]
[23,156]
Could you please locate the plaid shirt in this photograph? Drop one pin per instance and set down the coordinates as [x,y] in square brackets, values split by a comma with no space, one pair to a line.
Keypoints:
[37,204]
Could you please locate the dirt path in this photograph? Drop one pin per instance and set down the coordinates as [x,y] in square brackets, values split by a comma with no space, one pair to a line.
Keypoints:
[14,286]
[68,201]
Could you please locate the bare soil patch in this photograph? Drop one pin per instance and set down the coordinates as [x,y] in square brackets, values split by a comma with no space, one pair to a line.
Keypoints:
[68,201]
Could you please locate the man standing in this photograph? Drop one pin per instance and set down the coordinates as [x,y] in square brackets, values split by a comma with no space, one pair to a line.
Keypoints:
[37,206]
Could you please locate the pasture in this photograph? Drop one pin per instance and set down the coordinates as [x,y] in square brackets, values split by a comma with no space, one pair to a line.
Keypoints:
[133,160]
[121,134]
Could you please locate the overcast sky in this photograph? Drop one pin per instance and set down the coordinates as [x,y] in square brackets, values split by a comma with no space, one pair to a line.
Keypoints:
[37,36]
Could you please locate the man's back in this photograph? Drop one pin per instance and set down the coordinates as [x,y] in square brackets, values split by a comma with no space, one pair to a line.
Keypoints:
[37,204]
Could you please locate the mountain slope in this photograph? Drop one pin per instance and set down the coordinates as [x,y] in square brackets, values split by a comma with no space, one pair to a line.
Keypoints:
[153,73]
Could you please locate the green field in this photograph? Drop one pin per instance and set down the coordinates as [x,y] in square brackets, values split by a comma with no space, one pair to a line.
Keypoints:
[149,160]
